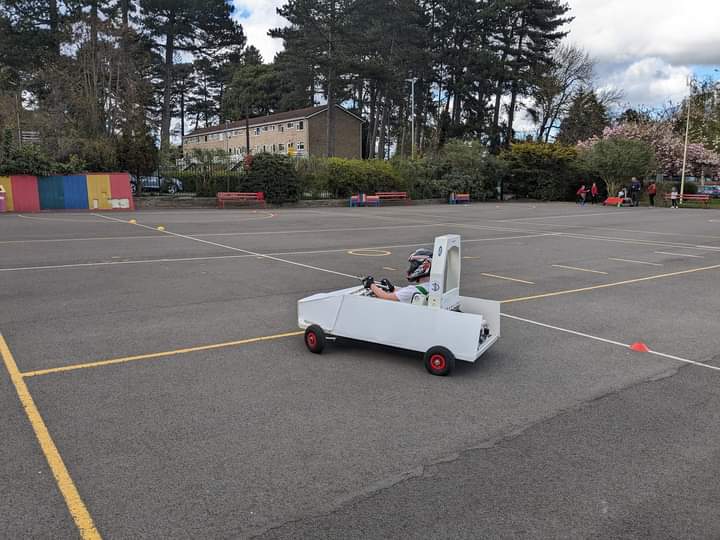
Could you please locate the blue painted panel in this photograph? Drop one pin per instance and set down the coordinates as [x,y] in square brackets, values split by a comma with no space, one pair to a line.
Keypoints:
[75,191]
[51,192]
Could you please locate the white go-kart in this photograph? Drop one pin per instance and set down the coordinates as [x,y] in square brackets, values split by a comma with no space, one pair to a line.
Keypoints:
[443,325]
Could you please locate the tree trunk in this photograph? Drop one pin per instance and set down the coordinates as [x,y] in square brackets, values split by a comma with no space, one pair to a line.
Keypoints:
[54,23]
[247,133]
[167,91]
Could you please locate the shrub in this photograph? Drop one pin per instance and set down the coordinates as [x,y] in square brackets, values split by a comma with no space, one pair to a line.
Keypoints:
[541,170]
[275,175]
[344,177]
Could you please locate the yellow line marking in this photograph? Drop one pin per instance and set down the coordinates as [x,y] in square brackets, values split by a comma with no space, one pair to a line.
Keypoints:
[633,261]
[509,278]
[126,359]
[75,505]
[369,252]
[579,269]
[608,285]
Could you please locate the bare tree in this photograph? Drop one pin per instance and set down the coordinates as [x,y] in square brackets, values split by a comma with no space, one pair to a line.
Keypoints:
[571,70]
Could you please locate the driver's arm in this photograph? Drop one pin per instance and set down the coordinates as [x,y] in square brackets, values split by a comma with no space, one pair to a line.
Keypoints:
[382,294]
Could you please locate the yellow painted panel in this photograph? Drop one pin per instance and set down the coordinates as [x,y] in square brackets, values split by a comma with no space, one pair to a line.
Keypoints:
[5,182]
[98,191]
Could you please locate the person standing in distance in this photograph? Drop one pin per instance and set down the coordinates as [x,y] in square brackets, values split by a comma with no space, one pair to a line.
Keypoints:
[652,191]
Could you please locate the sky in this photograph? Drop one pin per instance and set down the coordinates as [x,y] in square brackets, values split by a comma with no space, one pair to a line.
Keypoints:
[648,48]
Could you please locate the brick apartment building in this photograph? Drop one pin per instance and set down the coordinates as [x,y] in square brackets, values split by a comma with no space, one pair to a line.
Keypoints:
[301,132]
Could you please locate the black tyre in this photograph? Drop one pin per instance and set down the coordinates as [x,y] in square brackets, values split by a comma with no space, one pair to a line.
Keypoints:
[439,361]
[315,339]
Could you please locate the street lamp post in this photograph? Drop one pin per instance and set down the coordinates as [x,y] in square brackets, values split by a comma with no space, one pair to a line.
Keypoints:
[412,117]
[687,135]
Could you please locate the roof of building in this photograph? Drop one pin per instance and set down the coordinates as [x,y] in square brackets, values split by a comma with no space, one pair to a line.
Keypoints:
[297,114]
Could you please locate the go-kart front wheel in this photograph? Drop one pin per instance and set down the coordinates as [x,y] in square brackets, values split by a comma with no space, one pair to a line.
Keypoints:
[315,339]
[439,361]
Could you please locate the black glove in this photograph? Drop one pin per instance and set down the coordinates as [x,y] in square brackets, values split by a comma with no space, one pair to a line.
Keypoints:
[387,285]
[367,281]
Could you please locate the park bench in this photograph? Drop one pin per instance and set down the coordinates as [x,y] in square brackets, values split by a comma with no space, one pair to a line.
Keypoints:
[233,196]
[457,198]
[393,196]
[690,197]
[364,200]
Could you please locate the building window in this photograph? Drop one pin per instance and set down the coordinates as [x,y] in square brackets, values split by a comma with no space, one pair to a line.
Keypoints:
[281,128]
[291,145]
[257,131]
[272,128]
[281,147]
[265,128]
[264,148]
[301,146]
[290,125]
[301,125]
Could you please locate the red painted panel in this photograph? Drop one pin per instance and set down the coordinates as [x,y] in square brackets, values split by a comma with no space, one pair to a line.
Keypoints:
[120,188]
[25,193]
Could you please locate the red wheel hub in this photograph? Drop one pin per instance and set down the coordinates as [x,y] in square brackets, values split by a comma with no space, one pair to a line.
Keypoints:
[437,362]
[311,340]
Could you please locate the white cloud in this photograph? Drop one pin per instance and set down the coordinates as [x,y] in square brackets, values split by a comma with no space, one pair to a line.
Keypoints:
[623,31]
[649,82]
[257,17]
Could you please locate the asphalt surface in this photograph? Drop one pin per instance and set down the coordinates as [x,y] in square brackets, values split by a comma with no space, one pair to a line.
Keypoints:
[552,433]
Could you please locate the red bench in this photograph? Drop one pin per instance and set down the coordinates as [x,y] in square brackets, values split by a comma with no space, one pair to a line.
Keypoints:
[457,198]
[393,196]
[617,201]
[365,200]
[691,197]
[233,196]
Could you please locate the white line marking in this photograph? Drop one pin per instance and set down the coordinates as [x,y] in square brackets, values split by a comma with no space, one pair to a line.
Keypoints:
[231,248]
[390,269]
[615,239]
[610,341]
[633,261]
[680,254]
[579,269]
[508,278]
[555,217]
[59,219]
[260,256]
[113,263]
[247,233]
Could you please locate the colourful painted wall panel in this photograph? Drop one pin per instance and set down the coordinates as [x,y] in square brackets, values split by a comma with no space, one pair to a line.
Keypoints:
[75,192]
[51,192]
[6,183]
[25,193]
[120,188]
[98,189]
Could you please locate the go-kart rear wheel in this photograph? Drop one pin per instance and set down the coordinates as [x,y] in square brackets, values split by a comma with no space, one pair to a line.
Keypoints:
[315,339]
[439,361]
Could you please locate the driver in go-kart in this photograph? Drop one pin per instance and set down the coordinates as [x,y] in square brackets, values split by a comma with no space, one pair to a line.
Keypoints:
[418,273]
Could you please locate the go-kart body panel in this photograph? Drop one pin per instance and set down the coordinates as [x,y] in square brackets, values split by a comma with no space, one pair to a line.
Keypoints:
[351,314]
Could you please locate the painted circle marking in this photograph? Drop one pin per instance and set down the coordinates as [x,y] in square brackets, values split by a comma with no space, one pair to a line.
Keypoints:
[369,252]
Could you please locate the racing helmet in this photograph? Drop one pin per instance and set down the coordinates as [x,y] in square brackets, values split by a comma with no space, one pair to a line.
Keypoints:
[420,264]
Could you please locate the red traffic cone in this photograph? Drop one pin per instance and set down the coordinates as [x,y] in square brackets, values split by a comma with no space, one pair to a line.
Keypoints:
[639,347]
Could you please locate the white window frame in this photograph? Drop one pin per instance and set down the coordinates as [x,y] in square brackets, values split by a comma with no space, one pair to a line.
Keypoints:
[301,125]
